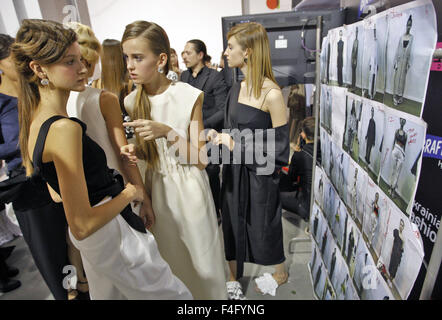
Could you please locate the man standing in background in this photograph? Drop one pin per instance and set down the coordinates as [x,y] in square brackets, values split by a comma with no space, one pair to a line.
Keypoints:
[212,83]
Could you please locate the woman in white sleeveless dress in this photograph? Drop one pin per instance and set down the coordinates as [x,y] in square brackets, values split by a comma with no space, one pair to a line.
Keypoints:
[185,228]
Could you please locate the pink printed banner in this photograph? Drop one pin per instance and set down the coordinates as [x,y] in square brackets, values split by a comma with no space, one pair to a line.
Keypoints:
[437,63]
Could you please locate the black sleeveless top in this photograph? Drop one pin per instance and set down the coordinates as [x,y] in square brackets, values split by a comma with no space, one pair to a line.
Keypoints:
[100,180]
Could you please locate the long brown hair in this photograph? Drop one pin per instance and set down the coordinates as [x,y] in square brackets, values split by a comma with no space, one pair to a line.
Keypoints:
[158,43]
[114,77]
[253,36]
[45,42]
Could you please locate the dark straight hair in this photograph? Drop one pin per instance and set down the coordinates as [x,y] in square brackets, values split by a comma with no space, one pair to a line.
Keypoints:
[200,47]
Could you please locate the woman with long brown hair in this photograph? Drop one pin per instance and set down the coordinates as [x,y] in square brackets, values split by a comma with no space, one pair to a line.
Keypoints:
[251,207]
[168,126]
[120,257]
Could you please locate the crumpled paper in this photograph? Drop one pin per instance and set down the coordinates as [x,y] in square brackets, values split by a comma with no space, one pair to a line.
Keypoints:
[267,284]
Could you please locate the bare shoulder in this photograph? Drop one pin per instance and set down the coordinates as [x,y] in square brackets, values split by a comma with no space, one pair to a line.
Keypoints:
[64,128]
[107,95]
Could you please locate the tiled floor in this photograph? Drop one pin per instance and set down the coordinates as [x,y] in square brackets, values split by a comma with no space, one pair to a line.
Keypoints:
[299,286]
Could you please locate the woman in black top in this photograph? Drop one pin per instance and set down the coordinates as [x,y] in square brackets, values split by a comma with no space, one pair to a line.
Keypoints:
[120,257]
[296,186]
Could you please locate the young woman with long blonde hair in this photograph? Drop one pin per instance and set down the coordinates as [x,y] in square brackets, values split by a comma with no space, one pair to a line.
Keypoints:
[251,207]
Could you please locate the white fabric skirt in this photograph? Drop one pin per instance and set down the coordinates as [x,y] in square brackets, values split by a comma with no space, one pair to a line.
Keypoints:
[121,263]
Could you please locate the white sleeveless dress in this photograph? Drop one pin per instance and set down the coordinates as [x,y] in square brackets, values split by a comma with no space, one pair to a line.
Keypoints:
[85,106]
[186,228]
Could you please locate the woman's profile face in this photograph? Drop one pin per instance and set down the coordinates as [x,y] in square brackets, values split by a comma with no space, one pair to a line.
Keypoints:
[69,72]
[174,59]
[8,68]
[142,63]
[234,53]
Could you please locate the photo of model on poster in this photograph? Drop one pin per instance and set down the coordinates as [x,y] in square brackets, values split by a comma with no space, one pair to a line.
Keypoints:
[338,61]
[368,281]
[317,221]
[401,156]
[338,222]
[349,249]
[375,218]
[330,197]
[338,114]
[327,157]
[342,173]
[342,282]
[317,271]
[402,254]
[355,49]
[357,185]
[411,41]
[371,135]
[353,114]
[320,178]
[329,292]
[324,60]
[325,111]
[373,61]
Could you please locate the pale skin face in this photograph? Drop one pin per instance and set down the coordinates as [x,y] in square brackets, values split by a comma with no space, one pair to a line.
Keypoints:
[235,54]
[191,57]
[68,74]
[174,60]
[142,63]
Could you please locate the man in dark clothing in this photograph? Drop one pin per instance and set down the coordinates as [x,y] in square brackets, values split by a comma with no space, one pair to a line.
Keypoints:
[370,136]
[296,197]
[215,94]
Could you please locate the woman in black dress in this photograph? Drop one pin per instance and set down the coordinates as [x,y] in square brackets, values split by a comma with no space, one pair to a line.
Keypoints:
[41,220]
[259,146]
[120,256]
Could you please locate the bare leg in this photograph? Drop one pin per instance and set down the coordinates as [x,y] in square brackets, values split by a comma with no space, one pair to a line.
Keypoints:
[232,267]
[75,259]
[280,275]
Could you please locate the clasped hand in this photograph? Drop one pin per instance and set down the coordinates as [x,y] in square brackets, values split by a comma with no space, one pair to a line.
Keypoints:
[220,138]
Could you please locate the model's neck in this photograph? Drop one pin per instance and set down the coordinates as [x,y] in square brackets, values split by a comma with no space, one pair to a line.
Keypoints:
[196,69]
[9,88]
[54,101]
[158,86]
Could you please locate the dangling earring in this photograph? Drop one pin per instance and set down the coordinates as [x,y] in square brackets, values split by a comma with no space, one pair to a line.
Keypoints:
[1,71]
[44,82]
[160,70]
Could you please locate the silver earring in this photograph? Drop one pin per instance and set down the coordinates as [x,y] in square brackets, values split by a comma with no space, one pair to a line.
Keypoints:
[160,70]
[1,71]
[44,82]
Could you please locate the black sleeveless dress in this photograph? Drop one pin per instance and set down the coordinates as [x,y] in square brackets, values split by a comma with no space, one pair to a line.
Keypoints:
[100,180]
[251,206]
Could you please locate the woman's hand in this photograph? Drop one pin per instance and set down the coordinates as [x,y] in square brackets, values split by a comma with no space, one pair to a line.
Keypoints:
[148,129]
[225,139]
[136,193]
[128,152]
[147,214]
[211,135]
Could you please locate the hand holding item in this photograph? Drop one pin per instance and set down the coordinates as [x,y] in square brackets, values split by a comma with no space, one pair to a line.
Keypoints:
[148,129]
[211,135]
[129,153]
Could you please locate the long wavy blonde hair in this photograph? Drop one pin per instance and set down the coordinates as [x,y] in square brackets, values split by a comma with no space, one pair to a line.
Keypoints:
[158,42]
[253,36]
[45,42]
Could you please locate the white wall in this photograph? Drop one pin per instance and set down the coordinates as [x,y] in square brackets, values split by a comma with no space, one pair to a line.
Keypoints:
[260,6]
[182,20]
[9,17]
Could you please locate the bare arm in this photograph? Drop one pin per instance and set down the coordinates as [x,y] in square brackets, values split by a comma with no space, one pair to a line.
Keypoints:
[110,109]
[150,130]
[64,147]
[274,103]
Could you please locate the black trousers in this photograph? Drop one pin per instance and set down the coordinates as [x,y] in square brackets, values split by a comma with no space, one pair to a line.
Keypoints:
[291,199]
[44,230]
[215,184]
